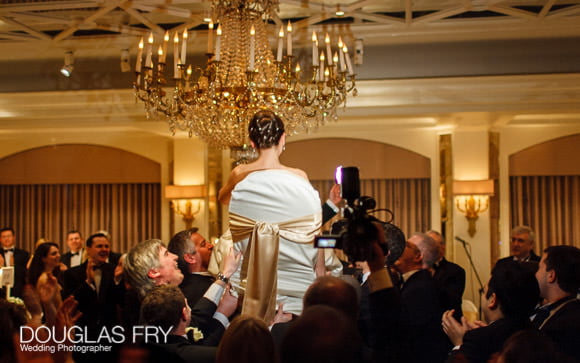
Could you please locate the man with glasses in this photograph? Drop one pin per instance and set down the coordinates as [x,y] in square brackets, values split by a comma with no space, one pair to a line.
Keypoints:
[521,246]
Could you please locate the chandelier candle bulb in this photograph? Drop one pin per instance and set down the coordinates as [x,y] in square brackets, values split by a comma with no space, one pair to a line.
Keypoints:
[161,55]
[328,50]
[210,37]
[176,74]
[165,41]
[149,50]
[321,74]
[184,47]
[348,62]
[252,47]
[139,56]
[341,55]
[289,39]
[326,74]
[280,44]
[314,49]
[335,58]
[218,42]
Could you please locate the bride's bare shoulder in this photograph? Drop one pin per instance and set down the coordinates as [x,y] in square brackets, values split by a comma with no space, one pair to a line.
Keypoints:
[298,172]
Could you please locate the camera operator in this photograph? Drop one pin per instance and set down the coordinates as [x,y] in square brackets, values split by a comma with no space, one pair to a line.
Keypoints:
[382,305]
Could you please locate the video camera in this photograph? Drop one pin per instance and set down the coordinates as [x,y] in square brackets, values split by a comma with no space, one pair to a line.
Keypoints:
[356,232]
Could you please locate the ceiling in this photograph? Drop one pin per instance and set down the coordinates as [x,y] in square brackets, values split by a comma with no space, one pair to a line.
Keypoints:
[424,59]
[33,29]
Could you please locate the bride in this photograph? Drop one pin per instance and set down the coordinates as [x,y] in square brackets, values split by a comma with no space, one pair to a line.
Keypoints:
[274,215]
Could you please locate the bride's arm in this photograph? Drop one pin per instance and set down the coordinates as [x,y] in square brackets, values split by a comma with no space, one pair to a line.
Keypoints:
[225,192]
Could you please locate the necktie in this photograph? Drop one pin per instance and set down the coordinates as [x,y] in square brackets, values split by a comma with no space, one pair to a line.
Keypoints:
[9,250]
[74,254]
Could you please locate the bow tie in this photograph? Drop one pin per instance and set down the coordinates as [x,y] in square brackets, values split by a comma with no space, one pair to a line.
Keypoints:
[75,253]
[9,250]
[100,267]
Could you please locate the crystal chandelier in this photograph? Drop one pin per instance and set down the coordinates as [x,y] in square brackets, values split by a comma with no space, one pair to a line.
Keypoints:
[242,76]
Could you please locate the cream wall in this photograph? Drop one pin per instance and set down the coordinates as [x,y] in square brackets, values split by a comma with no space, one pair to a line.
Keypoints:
[517,138]
[154,147]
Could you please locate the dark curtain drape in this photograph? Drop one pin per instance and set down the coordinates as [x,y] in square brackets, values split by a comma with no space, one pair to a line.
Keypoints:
[550,205]
[129,212]
[408,199]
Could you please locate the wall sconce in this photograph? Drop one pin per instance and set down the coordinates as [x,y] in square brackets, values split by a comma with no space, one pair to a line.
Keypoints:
[182,200]
[472,198]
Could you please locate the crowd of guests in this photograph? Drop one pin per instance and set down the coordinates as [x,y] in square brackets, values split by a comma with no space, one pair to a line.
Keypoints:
[408,312]
[287,301]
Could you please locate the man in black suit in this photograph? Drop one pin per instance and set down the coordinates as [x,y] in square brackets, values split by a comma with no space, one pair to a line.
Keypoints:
[509,297]
[165,307]
[74,257]
[196,279]
[330,208]
[559,278]
[422,339]
[449,277]
[16,257]
[150,264]
[521,246]
[92,284]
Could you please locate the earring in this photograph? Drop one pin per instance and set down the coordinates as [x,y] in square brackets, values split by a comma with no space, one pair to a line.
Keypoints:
[284,148]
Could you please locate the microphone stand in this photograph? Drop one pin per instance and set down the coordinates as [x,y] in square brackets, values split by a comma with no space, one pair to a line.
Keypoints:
[464,244]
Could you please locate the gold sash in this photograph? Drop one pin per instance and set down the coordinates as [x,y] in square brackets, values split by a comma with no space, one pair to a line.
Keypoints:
[260,266]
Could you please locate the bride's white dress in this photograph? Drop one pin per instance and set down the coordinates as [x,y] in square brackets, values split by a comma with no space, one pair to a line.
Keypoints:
[279,212]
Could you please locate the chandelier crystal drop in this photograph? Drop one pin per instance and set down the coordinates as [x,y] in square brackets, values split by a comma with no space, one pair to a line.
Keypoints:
[242,76]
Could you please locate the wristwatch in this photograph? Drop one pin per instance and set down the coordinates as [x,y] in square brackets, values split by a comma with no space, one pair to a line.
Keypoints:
[222,277]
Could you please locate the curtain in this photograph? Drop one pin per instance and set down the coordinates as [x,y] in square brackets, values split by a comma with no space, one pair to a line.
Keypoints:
[129,212]
[408,199]
[550,205]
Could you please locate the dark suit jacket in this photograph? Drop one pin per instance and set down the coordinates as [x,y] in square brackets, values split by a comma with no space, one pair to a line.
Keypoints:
[179,349]
[533,258]
[450,280]
[21,258]
[201,317]
[194,286]
[98,311]
[479,344]
[327,213]
[65,258]
[422,338]
[564,329]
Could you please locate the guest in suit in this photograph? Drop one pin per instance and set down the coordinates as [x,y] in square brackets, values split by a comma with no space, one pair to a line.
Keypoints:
[92,284]
[196,279]
[150,264]
[330,208]
[75,242]
[449,277]
[16,257]
[422,339]
[521,246]
[508,298]
[165,307]
[559,279]
[113,256]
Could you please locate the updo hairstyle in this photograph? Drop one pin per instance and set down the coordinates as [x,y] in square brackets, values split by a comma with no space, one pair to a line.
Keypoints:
[265,129]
